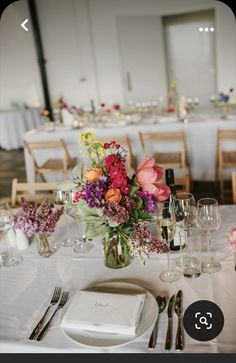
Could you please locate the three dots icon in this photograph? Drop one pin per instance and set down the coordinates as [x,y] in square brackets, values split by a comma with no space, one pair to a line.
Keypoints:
[206,29]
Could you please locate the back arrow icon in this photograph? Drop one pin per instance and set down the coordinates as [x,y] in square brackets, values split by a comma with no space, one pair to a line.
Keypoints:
[23,25]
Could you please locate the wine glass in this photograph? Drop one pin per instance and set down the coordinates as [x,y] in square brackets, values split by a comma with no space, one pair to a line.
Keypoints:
[208,221]
[6,223]
[185,214]
[65,198]
[166,225]
[83,243]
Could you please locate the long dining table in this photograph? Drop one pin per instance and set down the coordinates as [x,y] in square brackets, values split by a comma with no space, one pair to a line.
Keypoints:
[26,290]
[200,133]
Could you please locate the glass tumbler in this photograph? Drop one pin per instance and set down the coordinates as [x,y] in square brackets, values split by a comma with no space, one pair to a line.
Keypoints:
[191,257]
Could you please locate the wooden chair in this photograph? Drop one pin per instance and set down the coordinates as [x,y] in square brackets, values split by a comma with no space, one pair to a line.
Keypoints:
[175,160]
[225,159]
[61,165]
[234,186]
[124,141]
[26,190]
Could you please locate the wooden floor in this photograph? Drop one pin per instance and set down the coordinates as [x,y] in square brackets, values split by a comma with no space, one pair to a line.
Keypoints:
[12,166]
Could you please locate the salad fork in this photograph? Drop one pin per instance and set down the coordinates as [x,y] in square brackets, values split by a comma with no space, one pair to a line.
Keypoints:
[61,304]
[54,300]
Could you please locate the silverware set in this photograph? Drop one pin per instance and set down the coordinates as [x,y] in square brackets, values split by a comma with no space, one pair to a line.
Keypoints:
[175,304]
[57,299]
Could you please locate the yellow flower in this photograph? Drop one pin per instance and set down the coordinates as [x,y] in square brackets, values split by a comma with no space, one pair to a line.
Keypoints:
[173,84]
[86,138]
[92,154]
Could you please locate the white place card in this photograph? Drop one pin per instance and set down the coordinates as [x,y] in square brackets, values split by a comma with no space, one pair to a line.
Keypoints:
[104,312]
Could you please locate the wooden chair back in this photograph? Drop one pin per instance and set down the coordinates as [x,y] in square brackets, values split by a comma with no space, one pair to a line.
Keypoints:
[234,186]
[165,157]
[225,159]
[28,190]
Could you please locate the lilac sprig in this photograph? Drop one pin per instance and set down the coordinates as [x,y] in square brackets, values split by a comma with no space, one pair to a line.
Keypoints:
[117,213]
[41,219]
[142,242]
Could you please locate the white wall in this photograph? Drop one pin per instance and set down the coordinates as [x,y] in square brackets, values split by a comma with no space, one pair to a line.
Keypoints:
[81,47]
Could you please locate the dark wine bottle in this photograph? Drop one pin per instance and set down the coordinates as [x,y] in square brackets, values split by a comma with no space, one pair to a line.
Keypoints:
[170,181]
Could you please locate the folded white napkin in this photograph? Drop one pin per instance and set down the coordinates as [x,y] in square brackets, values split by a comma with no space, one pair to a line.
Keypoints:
[104,312]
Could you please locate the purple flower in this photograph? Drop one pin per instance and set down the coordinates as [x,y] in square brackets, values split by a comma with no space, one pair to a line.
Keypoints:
[93,193]
[149,201]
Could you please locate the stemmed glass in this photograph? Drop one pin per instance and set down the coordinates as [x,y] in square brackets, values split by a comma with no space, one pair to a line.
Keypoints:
[83,244]
[65,198]
[166,226]
[6,223]
[185,214]
[208,221]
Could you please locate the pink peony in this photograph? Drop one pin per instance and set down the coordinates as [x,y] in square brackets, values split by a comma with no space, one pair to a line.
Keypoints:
[148,173]
[231,241]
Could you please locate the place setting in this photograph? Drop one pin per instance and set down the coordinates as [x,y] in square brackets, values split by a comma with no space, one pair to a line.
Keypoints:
[113,314]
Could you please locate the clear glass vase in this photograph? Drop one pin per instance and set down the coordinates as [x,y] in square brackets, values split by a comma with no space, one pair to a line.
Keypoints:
[116,253]
[45,244]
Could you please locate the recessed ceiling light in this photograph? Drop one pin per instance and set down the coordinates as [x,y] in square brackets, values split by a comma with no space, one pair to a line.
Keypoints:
[200,29]
[206,29]
[212,29]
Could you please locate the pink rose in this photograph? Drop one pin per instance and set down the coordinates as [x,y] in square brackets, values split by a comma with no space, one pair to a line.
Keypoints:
[148,173]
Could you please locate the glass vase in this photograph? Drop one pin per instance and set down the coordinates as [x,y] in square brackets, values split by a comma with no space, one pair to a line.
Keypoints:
[116,253]
[45,244]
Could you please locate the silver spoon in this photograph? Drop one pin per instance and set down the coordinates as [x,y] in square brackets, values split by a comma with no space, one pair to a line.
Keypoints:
[161,301]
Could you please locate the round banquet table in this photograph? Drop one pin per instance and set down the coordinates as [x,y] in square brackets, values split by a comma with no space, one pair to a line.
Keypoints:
[13,125]
[200,136]
[26,290]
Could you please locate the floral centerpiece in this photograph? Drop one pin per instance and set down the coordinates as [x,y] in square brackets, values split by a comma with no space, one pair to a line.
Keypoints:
[40,220]
[116,207]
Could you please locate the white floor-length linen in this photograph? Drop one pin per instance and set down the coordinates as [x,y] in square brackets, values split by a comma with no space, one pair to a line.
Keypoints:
[13,125]
[200,135]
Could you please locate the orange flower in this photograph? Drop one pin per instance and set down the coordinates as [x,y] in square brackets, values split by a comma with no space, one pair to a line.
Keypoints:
[92,174]
[113,196]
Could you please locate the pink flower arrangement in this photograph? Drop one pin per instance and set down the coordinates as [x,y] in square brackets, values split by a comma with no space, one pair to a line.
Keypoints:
[41,219]
[231,239]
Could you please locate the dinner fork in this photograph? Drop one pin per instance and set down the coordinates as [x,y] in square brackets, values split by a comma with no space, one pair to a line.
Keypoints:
[54,300]
[61,304]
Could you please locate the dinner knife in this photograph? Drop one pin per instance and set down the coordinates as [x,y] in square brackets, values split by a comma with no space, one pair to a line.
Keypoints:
[179,341]
[168,342]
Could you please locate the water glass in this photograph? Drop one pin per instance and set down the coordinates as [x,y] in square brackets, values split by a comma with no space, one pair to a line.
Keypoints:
[208,221]
[65,198]
[12,258]
[191,257]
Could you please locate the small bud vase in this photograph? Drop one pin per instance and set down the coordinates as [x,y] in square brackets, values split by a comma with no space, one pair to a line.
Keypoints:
[116,253]
[45,244]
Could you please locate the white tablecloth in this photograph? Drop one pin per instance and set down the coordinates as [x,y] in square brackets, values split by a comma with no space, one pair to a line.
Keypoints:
[26,290]
[13,125]
[201,143]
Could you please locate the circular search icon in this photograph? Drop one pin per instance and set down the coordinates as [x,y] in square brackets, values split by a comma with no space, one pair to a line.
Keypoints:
[203,320]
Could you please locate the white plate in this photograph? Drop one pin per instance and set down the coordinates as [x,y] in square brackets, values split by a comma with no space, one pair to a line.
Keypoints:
[108,340]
